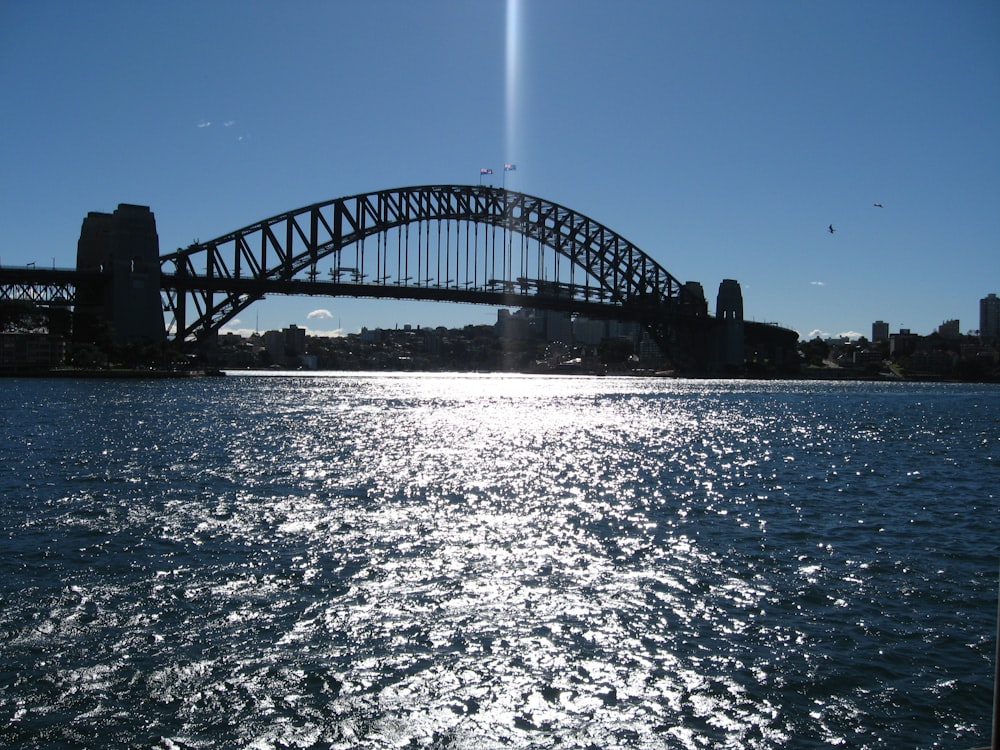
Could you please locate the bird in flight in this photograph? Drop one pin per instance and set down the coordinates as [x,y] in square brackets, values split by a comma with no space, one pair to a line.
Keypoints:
[877,205]
[830,229]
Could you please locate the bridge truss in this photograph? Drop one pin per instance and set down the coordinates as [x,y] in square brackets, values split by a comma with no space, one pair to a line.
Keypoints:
[42,287]
[460,243]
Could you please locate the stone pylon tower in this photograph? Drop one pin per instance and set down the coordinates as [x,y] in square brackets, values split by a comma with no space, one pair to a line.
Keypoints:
[124,306]
[729,317]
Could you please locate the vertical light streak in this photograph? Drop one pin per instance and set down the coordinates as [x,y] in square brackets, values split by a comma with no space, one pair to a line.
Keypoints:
[513,74]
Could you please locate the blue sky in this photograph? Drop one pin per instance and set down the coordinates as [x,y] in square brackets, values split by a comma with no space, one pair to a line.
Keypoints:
[720,136]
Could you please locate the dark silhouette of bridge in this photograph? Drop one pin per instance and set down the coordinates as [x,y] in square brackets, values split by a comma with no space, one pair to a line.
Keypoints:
[456,243]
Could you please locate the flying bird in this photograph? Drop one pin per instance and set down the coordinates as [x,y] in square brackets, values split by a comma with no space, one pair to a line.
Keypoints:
[877,205]
[830,229]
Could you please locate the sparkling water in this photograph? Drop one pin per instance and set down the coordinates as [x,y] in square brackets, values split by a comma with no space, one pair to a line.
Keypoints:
[492,561]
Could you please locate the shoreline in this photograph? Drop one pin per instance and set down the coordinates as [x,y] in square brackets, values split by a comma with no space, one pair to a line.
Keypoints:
[126,373]
[123,373]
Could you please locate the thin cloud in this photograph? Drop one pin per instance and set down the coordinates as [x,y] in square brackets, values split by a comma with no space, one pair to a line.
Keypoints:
[334,334]
[203,124]
[228,123]
[321,313]
[818,283]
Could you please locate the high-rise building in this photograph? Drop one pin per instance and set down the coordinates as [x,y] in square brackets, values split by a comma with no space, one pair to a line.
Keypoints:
[880,331]
[989,317]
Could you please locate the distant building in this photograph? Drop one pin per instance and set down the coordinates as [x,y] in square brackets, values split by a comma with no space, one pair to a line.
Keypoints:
[274,345]
[588,331]
[949,330]
[295,340]
[519,324]
[931,362]
[880,331]
[371,336]
[903,343]
[989,318]
[31,350]
[558,326]
[287,346]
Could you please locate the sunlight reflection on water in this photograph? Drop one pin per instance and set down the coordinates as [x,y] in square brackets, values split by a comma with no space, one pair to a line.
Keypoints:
[489,561]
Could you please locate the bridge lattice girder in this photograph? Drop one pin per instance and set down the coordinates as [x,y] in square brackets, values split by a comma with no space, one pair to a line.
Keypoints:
[281,254]
[43,287]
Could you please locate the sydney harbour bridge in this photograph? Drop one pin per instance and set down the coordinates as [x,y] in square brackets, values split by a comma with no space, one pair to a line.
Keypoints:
[450,243]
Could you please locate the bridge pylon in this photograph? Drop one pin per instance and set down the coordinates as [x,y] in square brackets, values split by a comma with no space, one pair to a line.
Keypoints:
[119,253]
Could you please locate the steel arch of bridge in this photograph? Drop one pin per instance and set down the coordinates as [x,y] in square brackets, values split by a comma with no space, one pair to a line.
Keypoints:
[531,252]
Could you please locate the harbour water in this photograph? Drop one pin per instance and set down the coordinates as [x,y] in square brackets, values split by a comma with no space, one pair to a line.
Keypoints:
[381,561]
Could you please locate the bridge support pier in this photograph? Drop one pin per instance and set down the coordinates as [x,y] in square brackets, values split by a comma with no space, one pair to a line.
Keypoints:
[730,355]
[124,308]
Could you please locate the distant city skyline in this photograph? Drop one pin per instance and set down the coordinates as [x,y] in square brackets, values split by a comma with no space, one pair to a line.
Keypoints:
[724,139]
[490,313]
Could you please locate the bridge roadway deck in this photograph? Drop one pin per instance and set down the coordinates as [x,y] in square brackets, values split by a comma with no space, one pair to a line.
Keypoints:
[15,283]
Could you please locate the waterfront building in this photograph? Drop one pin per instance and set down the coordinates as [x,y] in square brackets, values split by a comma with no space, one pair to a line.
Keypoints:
[931,362]
[295,340]
[274,345]
[29,349]
[880,331]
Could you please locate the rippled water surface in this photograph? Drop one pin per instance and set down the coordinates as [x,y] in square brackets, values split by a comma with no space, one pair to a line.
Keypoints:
[484,561]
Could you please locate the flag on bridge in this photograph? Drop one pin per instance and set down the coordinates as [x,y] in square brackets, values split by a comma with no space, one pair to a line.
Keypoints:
[509,167]
[484,170]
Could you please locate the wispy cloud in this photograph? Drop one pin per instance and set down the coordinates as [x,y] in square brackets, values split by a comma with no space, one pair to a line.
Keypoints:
[334,334]
[321,313]
[228,123]
[204,124]
[818,283]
